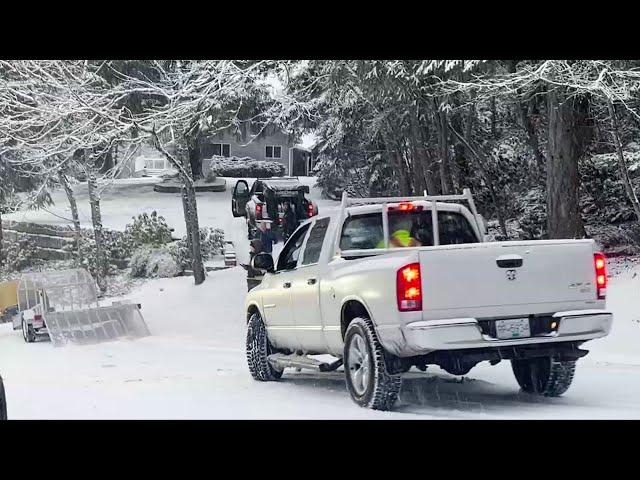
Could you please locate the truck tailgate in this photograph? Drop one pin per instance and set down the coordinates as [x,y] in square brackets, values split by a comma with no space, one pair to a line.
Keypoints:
[484,275]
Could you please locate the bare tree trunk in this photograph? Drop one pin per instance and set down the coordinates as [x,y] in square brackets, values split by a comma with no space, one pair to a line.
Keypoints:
[480,162]
[196,163]
[622,163]
[64,180]
[193,231]
[191,222]
[525,117]
[431,174]
[190,207]
[567,137]
[96,219]
[445,171]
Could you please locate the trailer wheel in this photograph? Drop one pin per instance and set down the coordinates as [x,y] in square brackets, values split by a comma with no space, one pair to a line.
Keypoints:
[258,350]
[3,402]
[544,376]
[368,381]
[28,333]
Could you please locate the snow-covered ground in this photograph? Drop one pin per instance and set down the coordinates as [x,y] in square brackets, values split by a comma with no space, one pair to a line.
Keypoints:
[193,365]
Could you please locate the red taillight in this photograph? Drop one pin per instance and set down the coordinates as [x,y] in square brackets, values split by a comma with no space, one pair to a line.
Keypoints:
[405,207]
[409,288]
[37,318]
[258,211]
[311,210]
[601,275]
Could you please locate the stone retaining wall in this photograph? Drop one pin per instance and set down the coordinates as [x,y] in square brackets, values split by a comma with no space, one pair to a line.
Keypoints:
[50,240]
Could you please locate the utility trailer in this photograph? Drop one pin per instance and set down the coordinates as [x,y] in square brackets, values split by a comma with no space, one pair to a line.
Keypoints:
[63,306]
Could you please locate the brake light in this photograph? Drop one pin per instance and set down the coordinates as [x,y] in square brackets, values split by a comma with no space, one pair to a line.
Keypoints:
[310,209]
[409,288]
[37,318]
[258,211]
[405,207]
[600,262]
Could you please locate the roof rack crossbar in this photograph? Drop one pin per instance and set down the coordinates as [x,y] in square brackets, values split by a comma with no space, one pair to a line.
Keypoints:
[466,195]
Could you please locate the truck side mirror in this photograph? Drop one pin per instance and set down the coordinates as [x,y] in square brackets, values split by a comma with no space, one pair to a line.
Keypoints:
[263,261]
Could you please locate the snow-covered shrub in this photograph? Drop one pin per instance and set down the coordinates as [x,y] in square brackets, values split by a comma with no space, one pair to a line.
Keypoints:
[621,239]
[148,230]
[117,249]
[603,196]
[237,167]
[153,262]
[532,214]
[19,255]
[211,244]
[210,177]
[10,202]
[333,177]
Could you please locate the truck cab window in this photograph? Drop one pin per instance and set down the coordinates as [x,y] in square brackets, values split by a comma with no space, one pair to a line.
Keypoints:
[288,259]
[453,228]
[312,250]
[362,232]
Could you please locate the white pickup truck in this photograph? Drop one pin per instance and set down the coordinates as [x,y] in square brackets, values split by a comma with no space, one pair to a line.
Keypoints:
[395,283]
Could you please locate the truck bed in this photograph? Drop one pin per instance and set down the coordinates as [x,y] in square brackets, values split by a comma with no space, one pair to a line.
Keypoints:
[484,279]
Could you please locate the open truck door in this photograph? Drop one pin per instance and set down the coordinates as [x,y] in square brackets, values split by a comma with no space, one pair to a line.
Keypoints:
[240,198]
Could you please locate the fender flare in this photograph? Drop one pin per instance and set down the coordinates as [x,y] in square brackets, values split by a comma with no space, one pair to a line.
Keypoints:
[251,307]
[360,300]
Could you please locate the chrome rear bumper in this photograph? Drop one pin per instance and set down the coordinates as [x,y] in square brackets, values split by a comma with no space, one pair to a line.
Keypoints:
[459,333]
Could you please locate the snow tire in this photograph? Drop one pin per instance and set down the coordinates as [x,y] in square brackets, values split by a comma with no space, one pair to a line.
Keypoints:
[380,389]
[545,376]
[258,350]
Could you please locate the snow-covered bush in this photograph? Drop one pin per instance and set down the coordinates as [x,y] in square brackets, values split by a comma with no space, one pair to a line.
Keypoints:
[333,177]
[10,202]
[621,239]
[153,262]
[117,248]
[211,244]
[210,177]
[603,196]
[237,167]
[19,255]
[532,214]
[148,230]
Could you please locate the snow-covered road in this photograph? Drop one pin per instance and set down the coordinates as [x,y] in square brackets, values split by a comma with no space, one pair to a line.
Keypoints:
[193,365]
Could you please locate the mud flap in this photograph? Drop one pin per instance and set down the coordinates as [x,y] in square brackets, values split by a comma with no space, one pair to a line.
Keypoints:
[96,325]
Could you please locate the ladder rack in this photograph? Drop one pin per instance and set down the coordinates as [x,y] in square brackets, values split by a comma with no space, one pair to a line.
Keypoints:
[433,199]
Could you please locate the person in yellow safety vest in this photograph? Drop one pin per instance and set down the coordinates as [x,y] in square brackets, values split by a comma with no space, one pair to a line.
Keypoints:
[400,238]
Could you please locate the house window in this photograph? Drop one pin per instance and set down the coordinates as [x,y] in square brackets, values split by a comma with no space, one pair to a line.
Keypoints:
[220,149]
[273,151]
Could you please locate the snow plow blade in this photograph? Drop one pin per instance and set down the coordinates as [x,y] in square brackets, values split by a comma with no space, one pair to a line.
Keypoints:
[96,325]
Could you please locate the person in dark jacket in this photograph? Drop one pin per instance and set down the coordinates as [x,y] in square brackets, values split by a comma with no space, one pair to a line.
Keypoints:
[254,276]
[266,237]
[289,222]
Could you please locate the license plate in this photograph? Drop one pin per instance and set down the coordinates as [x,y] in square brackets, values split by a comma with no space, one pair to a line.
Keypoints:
[513,328]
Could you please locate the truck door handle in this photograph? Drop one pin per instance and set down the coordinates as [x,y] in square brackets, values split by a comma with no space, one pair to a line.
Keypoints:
[311,281]
[287,285]
[509,261]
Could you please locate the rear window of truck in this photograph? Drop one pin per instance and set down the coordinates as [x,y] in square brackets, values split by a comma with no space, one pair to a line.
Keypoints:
[406,229]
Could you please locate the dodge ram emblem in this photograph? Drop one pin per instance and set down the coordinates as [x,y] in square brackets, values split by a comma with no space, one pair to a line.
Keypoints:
[511,274]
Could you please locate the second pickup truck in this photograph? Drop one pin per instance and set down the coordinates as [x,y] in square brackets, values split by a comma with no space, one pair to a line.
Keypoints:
[395,283]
